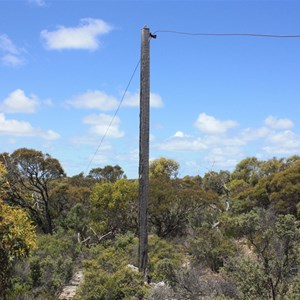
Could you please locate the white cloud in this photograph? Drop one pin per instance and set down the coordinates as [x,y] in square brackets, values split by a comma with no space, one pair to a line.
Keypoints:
[84,36]
[152,137]
[50,135]
[7,45]
[25,129]
[91,140]
[18,102]
[227,149]
[103,125]
[222,162]
[11,60]
[179,134]
[286,137]
[83,140]
[250,134]
[224,152]
[100,159]
[131,99]
[134,100]
[182,144]
[285,142]
[156,101]
[212,140]
[210,124]
[94,100]
[9,53]
[14,127]
[225,157]
[277,123]
[100,100]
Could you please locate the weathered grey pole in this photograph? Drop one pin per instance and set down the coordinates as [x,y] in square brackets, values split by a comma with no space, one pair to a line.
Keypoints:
[144,150]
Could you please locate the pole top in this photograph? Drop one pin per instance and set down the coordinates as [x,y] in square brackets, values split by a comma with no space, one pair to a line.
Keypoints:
[153,36]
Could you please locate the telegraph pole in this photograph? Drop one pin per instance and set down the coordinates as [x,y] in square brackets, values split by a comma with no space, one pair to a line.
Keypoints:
[144,149]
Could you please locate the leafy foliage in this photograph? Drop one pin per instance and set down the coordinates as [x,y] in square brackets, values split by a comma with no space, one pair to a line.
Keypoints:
[107,274]
[114,206]
[163,168]
[17,236]
[248,275]
[49,267]
[284,189]
[108,173]
[211,248]
[172,204]
[164,258]
[17,239]
[275,243]
[30,173]
[228,235]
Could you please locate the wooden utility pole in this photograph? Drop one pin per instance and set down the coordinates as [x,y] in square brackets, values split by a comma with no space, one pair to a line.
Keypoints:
[144,150]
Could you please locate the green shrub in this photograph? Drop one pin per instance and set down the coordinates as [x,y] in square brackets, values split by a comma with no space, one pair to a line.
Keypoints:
[160,252]
[107,275]
[50,266]
[165,270]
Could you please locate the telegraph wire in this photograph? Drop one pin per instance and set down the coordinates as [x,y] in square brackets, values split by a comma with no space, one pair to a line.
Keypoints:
[114,116]
[229,34]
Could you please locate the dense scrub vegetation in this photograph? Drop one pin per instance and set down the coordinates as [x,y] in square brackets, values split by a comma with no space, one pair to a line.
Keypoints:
[226,235]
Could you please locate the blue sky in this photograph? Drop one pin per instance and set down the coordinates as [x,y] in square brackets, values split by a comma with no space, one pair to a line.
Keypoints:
[64,66]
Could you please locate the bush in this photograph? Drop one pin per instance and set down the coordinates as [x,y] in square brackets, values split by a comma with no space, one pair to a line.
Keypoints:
[210,248]
[107,275]
[50,266]
[163,255]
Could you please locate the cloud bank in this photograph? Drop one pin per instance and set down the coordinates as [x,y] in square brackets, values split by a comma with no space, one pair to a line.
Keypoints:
[222,148]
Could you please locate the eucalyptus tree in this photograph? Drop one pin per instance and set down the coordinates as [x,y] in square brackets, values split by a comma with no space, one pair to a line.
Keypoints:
[30,174]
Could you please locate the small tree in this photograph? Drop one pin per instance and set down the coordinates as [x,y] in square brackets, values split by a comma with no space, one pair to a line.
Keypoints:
[17,236]
[30,173]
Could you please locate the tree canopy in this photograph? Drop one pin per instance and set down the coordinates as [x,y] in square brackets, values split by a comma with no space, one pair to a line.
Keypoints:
[222,235]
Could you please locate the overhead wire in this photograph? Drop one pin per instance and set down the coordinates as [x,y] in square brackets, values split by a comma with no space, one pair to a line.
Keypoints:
[113,117]
[228,34]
